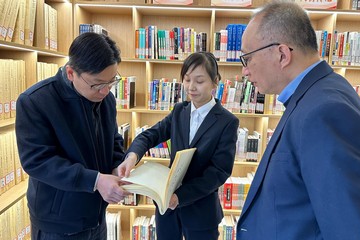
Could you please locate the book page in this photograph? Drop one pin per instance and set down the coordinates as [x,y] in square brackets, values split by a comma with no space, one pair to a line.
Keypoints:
[150,180]
[178,169]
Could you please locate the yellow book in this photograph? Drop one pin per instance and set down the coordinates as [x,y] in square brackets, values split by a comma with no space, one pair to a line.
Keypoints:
[30,15]
[46,24]
[158,181]
[19,32]
[4,10]
[14,10]
[53,28]
[6,88]
[18,168]
[10,159]
[13,87]
[2,94]
[2,166]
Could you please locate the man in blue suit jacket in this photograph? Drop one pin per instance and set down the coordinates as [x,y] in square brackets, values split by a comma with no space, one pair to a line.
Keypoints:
[307,185]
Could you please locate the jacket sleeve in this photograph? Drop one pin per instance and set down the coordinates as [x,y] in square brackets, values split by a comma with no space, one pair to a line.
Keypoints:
[39,155]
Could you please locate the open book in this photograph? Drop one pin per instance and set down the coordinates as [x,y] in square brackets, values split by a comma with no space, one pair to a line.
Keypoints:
[158,181]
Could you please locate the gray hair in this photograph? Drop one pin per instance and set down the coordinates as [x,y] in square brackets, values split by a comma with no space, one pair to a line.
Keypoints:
[288,23]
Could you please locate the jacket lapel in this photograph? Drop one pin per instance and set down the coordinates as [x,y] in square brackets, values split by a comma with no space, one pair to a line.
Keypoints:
[185,124]
[320,71]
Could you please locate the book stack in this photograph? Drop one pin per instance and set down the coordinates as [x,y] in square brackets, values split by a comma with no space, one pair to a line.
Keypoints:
[234,191]
[113,225]
[96,28]
[174,44]
[163,94]
[15,221]
[125,92]
[12,83]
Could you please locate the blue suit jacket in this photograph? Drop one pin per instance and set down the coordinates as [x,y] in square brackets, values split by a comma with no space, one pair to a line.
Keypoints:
[211,165]
[307,185]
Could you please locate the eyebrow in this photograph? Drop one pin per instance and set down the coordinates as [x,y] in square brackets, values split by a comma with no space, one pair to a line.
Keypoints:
[103,81]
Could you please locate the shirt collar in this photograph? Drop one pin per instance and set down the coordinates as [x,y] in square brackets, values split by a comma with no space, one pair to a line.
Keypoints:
[289,90]
[205,109]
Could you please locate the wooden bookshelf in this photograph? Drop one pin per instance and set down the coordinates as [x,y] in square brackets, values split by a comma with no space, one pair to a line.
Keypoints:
[121,19]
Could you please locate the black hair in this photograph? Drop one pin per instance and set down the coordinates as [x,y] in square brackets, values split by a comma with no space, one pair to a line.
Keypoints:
[205,59]
[92,53]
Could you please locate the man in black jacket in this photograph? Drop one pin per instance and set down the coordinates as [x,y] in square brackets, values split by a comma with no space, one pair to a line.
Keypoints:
[69,144]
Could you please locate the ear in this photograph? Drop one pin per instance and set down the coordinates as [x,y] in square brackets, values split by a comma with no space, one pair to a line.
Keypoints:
[70,73]
[285,55]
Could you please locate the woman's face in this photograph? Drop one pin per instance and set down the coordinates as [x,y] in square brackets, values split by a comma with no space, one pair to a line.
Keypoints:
[198,85]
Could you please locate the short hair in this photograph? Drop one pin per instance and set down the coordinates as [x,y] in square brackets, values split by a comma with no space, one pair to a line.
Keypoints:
[205,59]
[287,22]
[92,53]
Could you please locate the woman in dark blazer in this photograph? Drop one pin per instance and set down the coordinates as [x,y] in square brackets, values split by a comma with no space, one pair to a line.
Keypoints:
[202,122]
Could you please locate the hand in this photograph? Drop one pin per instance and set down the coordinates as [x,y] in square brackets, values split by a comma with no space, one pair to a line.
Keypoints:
[174,202]
[123,170]
[109,187]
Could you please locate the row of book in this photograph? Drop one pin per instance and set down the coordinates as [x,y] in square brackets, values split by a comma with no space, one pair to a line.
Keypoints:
[11,172]
[174,44]
[124,92]
[233,192]
[248,146]
[329,4]
[164,94]
[17,22]
[323,38]
[240,96]
[228,43]
[346,51]
[144,228]
[92,27]
[12,83]
[355,5]
[45,70]
[113,225]
[15,221]
[227,227]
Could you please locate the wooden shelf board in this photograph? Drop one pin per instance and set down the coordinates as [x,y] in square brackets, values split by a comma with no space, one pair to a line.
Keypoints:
[11,196]
[125,207]
[7,122]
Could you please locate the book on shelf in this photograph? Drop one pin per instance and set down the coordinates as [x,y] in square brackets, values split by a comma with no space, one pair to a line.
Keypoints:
[329,4]
[237,3]
[173,2]
[113,224]
[158,181]
[124,131]
[19,32]
[30,15]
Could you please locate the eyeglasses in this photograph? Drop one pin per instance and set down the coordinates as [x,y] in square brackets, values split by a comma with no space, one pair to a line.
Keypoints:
[244,60]
[100,86]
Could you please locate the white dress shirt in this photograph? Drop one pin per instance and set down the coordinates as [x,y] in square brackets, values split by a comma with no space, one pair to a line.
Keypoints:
[198,115]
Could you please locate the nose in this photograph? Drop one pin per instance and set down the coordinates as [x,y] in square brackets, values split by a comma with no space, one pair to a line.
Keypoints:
[192,85]
[105,91]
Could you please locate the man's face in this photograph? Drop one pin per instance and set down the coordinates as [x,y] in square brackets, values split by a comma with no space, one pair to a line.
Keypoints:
[261,66]
[86,83]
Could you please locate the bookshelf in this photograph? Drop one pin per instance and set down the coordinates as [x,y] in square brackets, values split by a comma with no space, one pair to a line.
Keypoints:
[121,19]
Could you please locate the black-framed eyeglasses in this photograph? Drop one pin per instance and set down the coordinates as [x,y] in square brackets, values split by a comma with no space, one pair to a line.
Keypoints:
[100,86]
[244,60]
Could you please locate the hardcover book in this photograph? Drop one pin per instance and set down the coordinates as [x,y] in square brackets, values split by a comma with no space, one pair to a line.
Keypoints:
[158,181]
